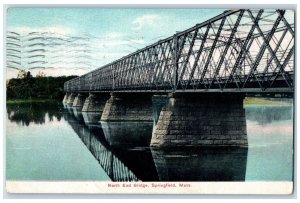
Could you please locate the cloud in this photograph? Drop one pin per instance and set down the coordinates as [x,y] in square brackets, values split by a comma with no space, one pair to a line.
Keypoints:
[114,35]
[145,20]
[116,42]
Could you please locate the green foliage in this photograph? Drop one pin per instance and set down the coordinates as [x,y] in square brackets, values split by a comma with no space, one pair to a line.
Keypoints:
[36,87]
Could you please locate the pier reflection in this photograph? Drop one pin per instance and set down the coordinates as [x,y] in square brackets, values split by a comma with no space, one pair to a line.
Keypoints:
[91,117]
[122,150]
[201,164]
[126,163]
[128,134]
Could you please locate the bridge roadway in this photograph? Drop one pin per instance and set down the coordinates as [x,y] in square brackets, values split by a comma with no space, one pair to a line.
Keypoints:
[205,71]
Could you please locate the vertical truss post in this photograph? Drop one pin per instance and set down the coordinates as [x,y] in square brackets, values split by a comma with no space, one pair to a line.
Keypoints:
[175,62]
[113,75]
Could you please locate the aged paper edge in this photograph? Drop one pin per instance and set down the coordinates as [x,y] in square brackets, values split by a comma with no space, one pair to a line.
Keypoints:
[101,187]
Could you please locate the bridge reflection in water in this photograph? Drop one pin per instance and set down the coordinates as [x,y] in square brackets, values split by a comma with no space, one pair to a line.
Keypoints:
[201,164]
[121,149]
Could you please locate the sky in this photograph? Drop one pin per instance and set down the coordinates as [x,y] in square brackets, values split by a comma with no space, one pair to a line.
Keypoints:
[112,33]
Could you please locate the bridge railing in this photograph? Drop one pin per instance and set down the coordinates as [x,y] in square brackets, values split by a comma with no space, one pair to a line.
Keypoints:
[239,49]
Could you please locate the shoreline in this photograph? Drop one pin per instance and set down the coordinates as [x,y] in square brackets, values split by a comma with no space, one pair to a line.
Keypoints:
[247,101]
[265,101]
[24,101]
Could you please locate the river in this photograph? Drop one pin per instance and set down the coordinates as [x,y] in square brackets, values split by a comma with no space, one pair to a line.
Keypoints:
[47,141]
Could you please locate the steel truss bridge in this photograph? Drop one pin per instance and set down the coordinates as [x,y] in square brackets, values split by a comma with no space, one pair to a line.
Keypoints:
[236,51]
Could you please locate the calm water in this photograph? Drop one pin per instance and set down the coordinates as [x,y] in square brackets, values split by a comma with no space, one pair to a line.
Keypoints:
[52,142]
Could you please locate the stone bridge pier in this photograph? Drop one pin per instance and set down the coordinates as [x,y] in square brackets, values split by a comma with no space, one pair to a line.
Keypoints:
[79,100]
[213,119]
[69,98]
[95,102]
[66,97]
[178,120]
[128,107]
[127,119]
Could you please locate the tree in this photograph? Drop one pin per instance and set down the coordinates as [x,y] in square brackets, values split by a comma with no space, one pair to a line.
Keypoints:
[40,74]
[28,75]
[21,74]
[36,87]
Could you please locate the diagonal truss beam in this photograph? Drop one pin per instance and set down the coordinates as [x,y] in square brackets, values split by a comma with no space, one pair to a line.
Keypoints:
[212,49]
[228,44]
[267,45]
[263,48]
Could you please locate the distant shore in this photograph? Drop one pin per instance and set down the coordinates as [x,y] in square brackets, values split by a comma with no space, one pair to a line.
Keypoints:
[23,101]
[36,89]
[247,101]
[265,101]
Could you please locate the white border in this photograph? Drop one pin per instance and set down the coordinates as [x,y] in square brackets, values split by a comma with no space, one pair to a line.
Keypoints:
[159,3]
[97,187]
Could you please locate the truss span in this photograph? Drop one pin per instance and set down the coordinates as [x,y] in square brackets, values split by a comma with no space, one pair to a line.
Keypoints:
[238,50]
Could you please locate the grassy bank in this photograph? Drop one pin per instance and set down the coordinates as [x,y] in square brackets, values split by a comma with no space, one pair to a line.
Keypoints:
[263,101]
[22,101]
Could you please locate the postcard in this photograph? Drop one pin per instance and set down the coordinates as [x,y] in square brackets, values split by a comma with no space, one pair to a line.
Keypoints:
[149,100]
